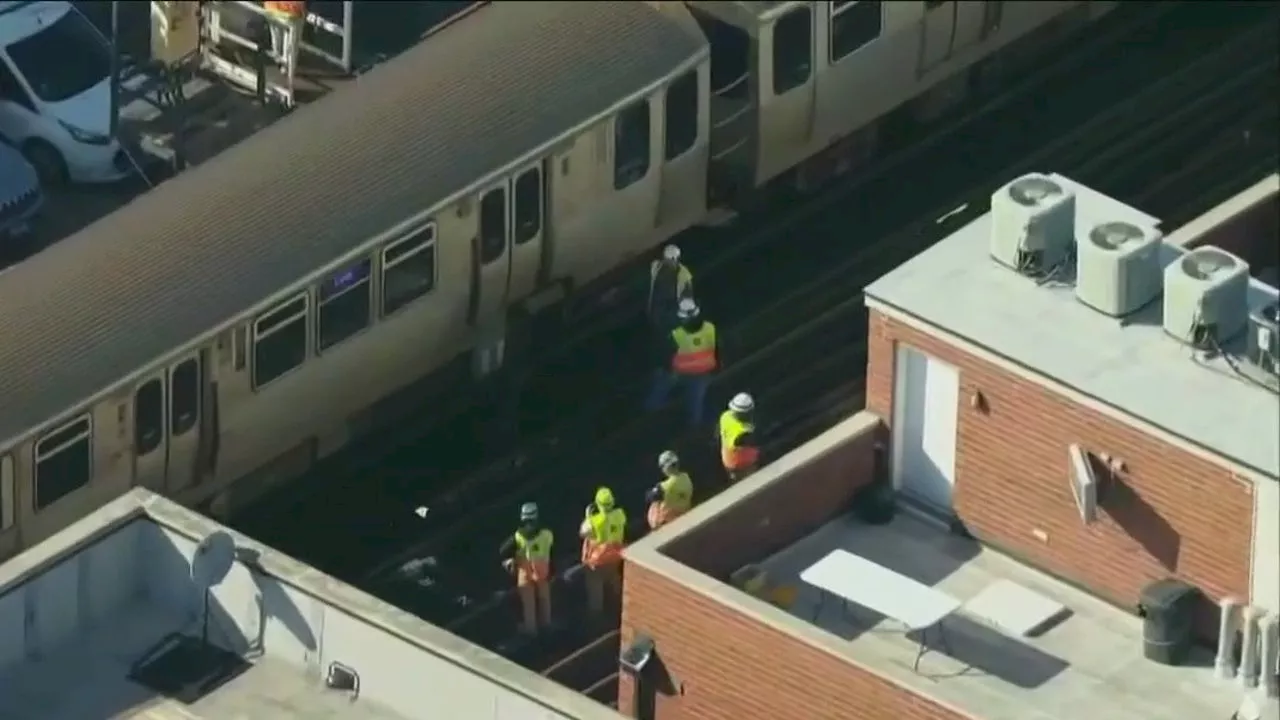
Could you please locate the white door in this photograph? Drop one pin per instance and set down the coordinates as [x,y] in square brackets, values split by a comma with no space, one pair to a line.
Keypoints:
[167,422]
[491,256]
[528,260]
[926,397]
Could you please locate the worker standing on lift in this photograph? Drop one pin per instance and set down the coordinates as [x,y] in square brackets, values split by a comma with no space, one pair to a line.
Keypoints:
[669,283]
[603,532]
[527,554]
[672,497]
[693,357]
[738,450]
[286,31]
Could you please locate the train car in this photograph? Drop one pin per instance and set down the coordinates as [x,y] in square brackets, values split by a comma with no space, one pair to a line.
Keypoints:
[244,319]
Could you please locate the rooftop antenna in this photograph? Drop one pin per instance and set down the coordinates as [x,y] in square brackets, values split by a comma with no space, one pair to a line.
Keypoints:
[212,561]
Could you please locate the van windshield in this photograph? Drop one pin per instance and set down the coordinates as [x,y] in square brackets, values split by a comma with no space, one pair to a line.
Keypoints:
[63,59]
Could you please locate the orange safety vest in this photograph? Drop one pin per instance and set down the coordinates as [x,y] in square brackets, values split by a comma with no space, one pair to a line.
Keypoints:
[695,351]
[287,9]
[533,557]
[732,456]
[603,543]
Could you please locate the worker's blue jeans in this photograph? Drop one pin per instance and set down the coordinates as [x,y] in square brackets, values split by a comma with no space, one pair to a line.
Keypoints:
[694,387]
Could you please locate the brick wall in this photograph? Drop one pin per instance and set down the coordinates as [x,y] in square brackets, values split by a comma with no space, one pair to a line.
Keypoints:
[726,666]
[1170,512]
[786,510]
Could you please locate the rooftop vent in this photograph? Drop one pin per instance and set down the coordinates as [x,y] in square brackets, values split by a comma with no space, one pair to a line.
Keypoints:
[1264,338]
[1117,267]
[1206,297]
[1032,222]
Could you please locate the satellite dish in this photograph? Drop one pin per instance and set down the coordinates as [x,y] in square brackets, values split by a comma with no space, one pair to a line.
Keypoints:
[213,560]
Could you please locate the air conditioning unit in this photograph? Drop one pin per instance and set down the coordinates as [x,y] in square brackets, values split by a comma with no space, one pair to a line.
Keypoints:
[1032,223]
[1117,267]
[1264,337]
[1206,296]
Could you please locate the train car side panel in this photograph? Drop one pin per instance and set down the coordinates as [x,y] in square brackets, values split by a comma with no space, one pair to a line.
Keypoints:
[685,150]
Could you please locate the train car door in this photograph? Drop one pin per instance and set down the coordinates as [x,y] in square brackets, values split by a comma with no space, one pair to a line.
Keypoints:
[167,426]
[951,26]
[528,254]
[186,395]
[492,256]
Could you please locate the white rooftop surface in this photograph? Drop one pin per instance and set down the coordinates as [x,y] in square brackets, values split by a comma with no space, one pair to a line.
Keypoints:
[1089,665]
[1135,367]
[80,610]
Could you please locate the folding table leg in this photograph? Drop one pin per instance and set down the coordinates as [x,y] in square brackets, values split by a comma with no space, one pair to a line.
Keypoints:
[920,650]
[817,608]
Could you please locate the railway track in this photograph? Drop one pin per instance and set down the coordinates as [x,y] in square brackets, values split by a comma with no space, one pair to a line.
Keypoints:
[355,494]
[1175,149]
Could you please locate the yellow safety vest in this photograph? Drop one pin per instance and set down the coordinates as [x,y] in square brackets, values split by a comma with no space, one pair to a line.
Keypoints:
[677,492]
[695,351]
[684,280]
[603,544]
[732,456]
[536,548]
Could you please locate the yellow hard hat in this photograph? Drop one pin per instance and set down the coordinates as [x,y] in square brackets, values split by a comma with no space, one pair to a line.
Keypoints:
[604,497]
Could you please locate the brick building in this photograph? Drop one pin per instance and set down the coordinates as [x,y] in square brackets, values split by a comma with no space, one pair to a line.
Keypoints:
[1038,447]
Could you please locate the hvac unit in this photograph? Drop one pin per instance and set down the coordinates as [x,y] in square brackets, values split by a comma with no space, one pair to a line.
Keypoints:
[1264,337]
[1117,267]
[1032,223]
[1206,296]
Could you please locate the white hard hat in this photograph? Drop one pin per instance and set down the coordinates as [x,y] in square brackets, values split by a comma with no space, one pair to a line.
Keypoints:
[671,253]
[687,309]
[742,403]
[667,459]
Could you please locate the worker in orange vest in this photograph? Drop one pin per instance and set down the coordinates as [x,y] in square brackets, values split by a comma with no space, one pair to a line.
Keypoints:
[603,531]
[527,554]
[287,20]
[672,497]
[692,359]
[738,450]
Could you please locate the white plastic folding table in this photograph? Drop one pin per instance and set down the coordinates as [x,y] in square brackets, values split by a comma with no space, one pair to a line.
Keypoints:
[918,607]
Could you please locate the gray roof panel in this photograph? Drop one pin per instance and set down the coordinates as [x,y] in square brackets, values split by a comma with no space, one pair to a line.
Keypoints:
[215,242]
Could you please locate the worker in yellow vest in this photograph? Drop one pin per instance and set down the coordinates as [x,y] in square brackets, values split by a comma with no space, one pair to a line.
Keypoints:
[527,554]
[738,450]
[672,497]
[669,283]
[692,359]
[603,531]
[288,19]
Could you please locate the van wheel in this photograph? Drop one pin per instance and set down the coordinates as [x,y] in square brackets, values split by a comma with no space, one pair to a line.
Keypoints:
[47,161]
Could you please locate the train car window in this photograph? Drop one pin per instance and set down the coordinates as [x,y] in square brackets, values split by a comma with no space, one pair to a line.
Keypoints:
[493,225]
[408,269]
[631,145]
[792,50]
[184,397]
[279,340]
[854,25]
[64,462]
[148,417]
[345,303]
[682,115]
[6,492]
[528,205]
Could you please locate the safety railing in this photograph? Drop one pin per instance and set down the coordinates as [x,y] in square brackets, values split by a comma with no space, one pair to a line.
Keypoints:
[321,26]
[730,118]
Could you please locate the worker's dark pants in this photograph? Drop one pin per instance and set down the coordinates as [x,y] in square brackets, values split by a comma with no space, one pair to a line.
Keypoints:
[604,581]
[535,606]
[694,387]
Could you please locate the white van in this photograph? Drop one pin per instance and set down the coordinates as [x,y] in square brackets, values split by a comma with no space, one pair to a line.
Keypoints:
[55,93]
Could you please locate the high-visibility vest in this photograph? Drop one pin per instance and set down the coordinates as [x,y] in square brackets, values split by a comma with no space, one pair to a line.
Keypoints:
[286,9]
[732,456]
[695,351]
[677,498]
[684,280]
[603,544]
[533,557]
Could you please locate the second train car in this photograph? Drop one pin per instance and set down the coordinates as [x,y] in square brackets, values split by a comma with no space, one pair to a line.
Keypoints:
[224,331]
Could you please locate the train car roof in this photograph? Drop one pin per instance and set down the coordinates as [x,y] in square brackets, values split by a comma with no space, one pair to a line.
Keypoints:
[223,240]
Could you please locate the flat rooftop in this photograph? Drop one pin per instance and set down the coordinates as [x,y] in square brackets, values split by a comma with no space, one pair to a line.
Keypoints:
[1080,657]
[1217,404]
[104,620]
